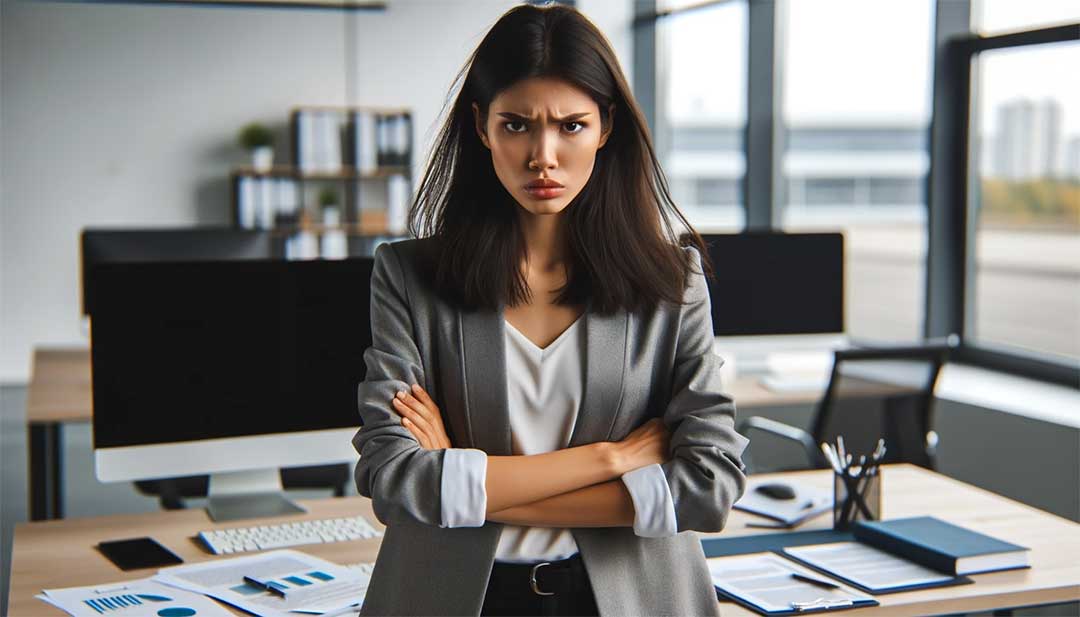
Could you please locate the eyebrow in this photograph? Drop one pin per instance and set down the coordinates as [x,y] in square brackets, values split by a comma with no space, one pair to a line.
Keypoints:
[570,118]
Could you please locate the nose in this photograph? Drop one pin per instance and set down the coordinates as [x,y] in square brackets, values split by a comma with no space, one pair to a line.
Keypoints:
[542,155]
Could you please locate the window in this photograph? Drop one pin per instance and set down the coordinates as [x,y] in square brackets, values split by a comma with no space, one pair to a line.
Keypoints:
[999,16]
[855,100]
[1024,256]
[891,192]
[701,110]
[714,192]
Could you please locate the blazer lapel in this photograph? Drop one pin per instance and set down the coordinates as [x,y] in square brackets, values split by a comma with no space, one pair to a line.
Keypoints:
[484,358]
[604,359]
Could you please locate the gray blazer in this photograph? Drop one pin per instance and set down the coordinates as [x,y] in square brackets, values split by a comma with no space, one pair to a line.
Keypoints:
[638,366]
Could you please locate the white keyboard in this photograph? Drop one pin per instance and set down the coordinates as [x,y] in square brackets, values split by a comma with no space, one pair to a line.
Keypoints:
[283,535]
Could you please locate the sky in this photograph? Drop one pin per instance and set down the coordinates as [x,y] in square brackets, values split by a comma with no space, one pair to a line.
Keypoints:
[837,72]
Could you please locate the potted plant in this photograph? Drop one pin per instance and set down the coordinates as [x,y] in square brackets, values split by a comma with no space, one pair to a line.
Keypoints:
[258,140]
[328,200]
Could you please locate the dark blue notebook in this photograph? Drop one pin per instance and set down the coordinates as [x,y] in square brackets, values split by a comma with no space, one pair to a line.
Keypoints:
[945,547]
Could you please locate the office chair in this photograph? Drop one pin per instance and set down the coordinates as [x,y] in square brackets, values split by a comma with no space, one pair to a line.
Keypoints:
[171,492]
[872,393]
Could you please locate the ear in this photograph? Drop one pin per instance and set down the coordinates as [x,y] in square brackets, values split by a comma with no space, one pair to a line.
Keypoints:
[480,126]
[610,125]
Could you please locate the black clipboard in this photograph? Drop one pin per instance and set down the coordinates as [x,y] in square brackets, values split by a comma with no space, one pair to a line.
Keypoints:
[723,595]
[787,566]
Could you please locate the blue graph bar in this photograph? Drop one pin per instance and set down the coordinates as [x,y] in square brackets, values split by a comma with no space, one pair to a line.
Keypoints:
[91,604]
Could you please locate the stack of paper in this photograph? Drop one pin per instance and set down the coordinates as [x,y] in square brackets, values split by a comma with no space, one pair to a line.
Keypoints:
[131,598]
[308,584]
[806,503]
[304,585]
[872,570]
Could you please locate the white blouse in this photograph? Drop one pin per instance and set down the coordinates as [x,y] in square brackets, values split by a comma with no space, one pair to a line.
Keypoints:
[545,388]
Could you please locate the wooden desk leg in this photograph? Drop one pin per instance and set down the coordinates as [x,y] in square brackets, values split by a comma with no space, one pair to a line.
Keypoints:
[46,471]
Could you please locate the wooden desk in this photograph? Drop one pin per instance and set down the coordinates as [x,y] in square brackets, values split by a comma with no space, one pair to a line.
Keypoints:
[60,553]
[59,392]
[908,490]
[50,554]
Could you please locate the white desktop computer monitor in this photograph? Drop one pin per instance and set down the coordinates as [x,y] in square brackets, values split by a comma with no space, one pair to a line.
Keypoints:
[232,369]
[777,301]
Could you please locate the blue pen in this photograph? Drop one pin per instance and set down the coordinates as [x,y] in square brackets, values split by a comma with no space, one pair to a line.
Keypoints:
[267,586]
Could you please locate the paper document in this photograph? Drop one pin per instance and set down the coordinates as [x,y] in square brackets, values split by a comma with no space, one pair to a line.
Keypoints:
[867,566]
[130,599]
[764,581]
[807,503]
[308,584]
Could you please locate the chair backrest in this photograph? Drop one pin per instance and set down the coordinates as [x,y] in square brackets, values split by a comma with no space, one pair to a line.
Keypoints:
[882,393]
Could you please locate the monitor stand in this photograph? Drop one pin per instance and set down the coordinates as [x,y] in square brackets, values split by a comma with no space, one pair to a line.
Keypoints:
[248,494]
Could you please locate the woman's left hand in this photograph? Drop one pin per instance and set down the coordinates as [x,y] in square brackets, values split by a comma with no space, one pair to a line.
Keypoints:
[422,417]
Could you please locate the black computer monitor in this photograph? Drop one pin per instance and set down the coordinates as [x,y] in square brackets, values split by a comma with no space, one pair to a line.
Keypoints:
[227,367]
[777,283]
[99,246]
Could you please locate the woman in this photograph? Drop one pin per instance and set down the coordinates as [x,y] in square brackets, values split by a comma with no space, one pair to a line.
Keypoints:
[580,435]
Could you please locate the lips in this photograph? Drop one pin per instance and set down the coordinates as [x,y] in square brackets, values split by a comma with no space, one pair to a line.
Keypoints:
[543,183]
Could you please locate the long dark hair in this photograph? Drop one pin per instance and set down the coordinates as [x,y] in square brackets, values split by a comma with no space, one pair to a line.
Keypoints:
[623,251]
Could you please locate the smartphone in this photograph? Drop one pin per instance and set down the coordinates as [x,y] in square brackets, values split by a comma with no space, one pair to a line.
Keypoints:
[138,553]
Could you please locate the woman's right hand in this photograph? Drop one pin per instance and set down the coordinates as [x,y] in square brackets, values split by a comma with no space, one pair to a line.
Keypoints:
[645,445]
[422,417]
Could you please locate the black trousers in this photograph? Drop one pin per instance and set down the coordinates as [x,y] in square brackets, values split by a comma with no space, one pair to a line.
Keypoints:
[510,591]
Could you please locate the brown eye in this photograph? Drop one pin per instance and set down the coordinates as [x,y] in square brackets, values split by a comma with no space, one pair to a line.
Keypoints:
[507,126]
[580,127]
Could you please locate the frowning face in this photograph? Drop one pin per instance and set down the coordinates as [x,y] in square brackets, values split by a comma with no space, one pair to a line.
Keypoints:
[543,134]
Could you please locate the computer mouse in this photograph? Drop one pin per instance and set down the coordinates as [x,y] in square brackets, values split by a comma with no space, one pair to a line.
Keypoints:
[776,491]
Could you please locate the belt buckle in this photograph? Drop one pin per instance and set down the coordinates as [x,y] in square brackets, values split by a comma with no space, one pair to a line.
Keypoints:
[532,580]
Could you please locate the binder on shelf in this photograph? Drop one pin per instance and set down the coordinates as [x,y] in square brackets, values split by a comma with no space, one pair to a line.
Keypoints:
[245,202]
[400,138]
[397,203]
[302,245]
[305,142]
[264,203]
[365,141]
[331,141]
[318,141]
[287,202]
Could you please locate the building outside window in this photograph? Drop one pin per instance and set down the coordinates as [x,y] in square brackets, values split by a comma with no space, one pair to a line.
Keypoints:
[1024,269]
[853,98]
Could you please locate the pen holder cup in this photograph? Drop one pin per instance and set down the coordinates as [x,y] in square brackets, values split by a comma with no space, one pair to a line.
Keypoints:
[856,499]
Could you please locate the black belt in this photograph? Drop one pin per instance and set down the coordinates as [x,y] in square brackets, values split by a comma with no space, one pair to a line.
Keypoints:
[544,578]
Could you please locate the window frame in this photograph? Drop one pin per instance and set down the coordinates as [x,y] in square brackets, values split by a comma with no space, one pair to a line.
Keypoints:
[950,295]
[948,290]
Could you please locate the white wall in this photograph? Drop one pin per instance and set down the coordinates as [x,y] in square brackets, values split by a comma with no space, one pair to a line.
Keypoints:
[126,115]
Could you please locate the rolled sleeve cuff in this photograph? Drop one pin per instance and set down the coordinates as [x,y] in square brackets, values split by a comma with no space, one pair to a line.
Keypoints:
[654,509]
[464,498]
